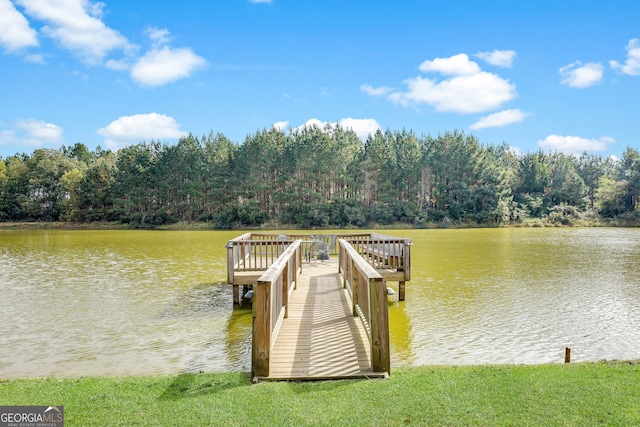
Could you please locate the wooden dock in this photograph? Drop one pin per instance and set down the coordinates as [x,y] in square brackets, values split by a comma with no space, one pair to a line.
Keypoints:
[317,318]
[321,339]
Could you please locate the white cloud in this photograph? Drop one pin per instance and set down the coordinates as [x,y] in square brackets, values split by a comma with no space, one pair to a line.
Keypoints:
[456,65]
[361,127]
[500,119]
[165,65]
[15,32]
[499,58]
[32,133]
[118,64]
[516,151]
[632,64]
[474,93]
[133,129]
[465,88]
[39,130]
[76,25]
[34,58]
[281,126]
[581,76]
[574,144]
[96,10]
[311,123]
[159,36]
[7,137]
[376,91]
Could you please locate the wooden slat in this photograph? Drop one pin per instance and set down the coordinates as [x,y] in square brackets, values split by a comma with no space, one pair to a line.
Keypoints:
[320,339]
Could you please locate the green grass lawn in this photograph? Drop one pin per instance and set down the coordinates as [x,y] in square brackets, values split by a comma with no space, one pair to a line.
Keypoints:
[580,394]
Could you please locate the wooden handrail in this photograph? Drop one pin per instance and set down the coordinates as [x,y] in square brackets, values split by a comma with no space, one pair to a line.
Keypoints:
[369,301]
[257,251]
[270,305]
[384,252]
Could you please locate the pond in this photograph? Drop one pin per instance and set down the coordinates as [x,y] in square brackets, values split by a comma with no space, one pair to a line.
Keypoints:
[79,302]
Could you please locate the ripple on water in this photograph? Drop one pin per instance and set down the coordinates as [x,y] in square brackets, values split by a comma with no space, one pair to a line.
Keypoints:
[86,304]
[475,301]
[114,303]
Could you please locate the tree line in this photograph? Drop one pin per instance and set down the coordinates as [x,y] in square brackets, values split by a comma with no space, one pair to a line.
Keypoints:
[319,177]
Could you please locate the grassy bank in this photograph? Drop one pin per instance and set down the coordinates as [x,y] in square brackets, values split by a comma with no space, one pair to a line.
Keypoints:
[573,395]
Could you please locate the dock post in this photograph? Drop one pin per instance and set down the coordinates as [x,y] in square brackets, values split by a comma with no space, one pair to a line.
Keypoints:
[401,291]
[236,294]
[261,330]
[380,352]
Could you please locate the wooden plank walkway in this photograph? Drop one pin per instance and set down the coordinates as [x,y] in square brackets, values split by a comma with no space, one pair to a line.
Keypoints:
[321,339]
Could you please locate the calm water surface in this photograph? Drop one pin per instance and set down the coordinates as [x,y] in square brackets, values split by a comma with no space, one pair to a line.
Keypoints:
[143,302]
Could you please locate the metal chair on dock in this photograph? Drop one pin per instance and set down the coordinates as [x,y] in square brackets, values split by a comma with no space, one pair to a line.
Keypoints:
[322,251]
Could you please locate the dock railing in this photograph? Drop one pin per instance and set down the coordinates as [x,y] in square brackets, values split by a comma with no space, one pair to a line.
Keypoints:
[384,252]
[257,251]
[369,301]
[253,252]
[271,305]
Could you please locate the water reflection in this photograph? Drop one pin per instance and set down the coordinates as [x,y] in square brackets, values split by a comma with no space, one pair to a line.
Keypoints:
[144,302]
[400,340]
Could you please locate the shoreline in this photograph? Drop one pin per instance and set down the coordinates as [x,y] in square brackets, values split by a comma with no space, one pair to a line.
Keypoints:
[194,225]
[403,368]
[57,225]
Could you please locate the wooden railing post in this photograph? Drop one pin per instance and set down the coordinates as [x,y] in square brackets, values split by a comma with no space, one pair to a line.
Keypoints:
[298,269]
[407,260]
[355,288]
[286,281]
[261,341]
[380,352]
[230,262]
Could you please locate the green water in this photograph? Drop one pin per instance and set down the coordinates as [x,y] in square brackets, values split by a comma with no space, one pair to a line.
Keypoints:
[143,302]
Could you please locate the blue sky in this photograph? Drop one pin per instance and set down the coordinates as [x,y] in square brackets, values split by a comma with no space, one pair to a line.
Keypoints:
[556,75]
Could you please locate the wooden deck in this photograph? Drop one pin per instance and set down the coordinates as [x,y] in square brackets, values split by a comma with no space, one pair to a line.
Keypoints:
[321,339]
[306,326]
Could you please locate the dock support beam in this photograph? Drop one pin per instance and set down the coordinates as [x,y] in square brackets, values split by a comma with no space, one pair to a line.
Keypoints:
[401,291]
[236,294]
